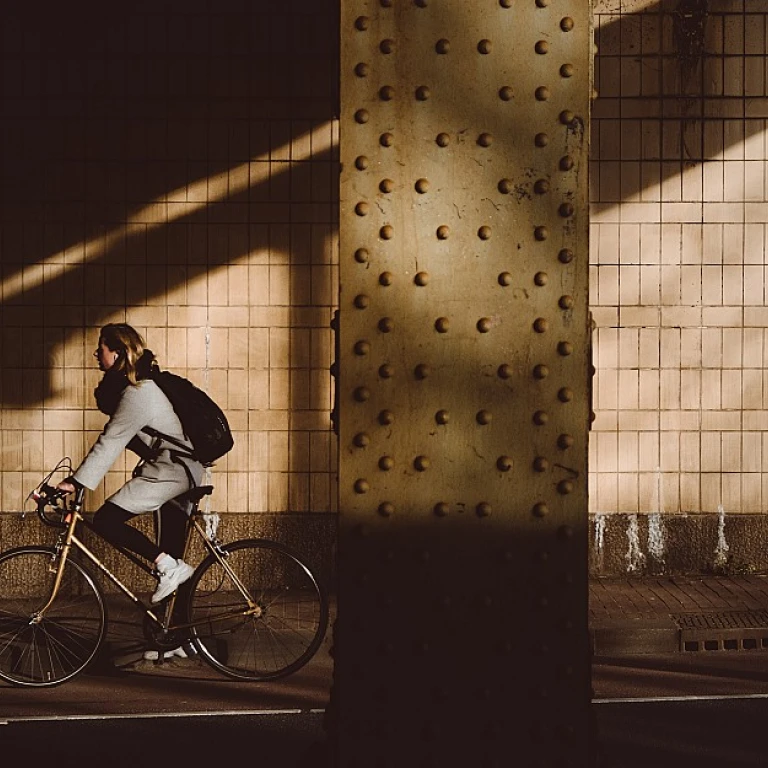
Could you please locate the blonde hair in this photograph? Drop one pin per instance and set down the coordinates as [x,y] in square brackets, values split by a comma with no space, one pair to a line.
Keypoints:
[129,345]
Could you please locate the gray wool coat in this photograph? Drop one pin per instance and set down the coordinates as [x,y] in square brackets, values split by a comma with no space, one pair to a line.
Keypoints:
[155,481]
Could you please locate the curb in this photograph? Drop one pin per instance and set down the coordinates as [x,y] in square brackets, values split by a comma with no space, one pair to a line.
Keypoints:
[683,633]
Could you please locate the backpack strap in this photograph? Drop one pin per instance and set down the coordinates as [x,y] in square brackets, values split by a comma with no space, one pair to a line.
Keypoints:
[176,455]
[152,432]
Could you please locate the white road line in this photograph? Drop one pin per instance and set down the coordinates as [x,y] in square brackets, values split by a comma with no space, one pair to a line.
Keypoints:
[138,716]
[662,699]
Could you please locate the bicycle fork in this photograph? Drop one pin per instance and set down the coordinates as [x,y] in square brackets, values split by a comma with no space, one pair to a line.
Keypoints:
[63,547]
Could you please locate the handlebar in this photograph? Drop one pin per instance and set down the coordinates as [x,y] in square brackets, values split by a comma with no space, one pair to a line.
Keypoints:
[49,497]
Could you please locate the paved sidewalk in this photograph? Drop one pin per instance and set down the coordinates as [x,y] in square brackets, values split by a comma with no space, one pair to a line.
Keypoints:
[655,614]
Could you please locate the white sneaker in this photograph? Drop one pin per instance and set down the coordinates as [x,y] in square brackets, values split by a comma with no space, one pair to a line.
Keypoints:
[172,573]
[178,653]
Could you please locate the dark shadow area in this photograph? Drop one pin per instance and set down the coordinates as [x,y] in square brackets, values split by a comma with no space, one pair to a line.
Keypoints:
[146,144]
[712,665]
[285,740]
[666,734]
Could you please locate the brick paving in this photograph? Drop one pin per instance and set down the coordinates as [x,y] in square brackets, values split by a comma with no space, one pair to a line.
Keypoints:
[643,615]
[653,596]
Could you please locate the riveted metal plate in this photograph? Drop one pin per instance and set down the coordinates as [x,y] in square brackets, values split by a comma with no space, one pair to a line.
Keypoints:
[463,382]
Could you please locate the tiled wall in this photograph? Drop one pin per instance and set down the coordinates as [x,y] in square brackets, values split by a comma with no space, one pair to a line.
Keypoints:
[172,165]
[678,241]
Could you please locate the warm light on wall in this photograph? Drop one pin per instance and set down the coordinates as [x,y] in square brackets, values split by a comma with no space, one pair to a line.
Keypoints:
[196,196]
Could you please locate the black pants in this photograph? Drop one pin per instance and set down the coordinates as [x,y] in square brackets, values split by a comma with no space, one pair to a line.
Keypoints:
[111,522]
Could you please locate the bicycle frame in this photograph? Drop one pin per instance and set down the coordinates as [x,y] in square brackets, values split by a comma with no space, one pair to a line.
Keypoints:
[68,539]
[252,608]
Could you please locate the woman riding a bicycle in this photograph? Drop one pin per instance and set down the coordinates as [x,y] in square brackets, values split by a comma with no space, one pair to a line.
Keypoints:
[133,401]
[252,608]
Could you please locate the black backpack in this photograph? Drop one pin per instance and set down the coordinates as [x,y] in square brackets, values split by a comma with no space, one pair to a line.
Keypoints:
[204,423]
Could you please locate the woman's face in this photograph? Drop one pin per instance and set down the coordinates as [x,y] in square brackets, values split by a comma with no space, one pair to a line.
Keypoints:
[105,356]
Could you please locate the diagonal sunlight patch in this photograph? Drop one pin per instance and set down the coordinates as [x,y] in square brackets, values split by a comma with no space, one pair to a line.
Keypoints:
[196,196]
[735,175]
[604,12]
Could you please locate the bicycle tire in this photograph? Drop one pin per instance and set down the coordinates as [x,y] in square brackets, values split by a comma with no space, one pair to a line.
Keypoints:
[292,604]
[59,646]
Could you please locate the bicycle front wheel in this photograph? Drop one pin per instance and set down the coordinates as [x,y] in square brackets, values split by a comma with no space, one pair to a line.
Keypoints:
[271,636]
[43,650]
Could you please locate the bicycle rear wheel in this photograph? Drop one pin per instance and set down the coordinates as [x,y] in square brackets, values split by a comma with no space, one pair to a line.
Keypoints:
[278,633]
[43,651]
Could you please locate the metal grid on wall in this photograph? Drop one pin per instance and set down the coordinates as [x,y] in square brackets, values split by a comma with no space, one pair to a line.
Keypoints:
[463,382]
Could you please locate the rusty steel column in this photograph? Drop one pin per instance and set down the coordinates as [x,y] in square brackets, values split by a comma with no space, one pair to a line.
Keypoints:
[463,397]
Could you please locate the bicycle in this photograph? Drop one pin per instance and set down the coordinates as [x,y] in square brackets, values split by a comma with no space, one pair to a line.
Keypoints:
[252,609]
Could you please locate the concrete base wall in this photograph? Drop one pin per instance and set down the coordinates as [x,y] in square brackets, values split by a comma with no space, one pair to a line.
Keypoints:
[619,544]
[657,544]
[312,536]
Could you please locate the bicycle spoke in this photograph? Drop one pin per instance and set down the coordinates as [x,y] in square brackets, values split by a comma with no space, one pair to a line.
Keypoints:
[278,639]
[49,649]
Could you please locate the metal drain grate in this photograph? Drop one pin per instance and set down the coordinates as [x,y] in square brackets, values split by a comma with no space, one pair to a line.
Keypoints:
[722,620]
[722,631]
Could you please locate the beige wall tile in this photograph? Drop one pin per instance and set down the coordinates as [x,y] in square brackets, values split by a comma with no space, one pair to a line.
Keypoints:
[278,491]
[649,389]
[607,451]
[606,492]
[690,488]
[754,243]
[258,491]
[298,491]
[605,421]
[731,491]
[321,499]
[711,491]
[670,389]
[751,493]
[731,389]
[650,285]
[628,452]
[628,493]
[670,491]
[279,285]
[628,389]
[648,451]
[669,451]
[648,493]
[606,389]
[15,490]
[675,421]
[628,339]
[629,286]
[732,346]
[722,420]
[693,190]
[237,491]
[752,383]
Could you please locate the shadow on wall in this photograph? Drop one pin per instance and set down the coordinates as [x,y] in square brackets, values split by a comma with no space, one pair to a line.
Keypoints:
[144,145]
[135,137]
[654,71]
